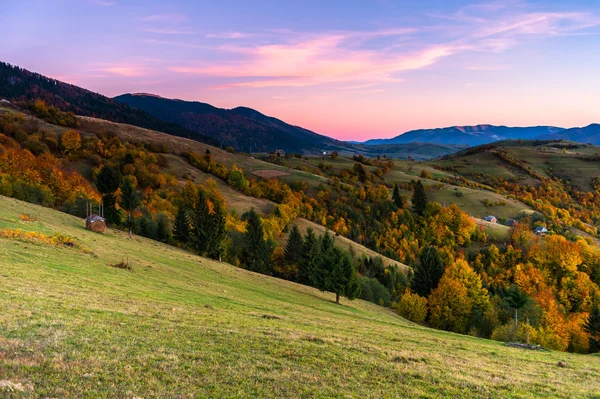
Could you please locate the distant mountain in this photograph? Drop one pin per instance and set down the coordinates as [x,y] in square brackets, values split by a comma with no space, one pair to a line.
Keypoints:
[242,128]
[468,135]
[18,84]
[588,134]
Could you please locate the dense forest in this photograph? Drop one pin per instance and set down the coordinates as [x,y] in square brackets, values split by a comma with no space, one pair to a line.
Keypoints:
[538,289]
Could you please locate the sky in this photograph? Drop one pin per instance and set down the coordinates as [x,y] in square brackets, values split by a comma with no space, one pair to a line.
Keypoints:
[352,70]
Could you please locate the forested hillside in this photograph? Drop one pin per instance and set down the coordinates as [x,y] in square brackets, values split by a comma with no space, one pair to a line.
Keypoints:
[25,87]
[465,275]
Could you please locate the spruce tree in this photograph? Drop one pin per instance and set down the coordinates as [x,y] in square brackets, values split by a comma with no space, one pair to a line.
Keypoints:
[256,251]
[321,270]
[201,224]
[516,299]
[335,271]
[592,327]
[107,183]
[129,202]
[293,250]
[419,199]
[397,198]
[181,227]
[428,272]
[310,257]
[217,231]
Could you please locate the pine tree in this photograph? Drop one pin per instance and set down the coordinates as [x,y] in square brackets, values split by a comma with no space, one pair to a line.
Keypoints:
[335,271]
[293,250]
[107,183]
[163,227]
[309,261]
[592,327]
[257,250]
[320,271]
[181,227]
[129,202]
[516,299]
[397,198]
[217,231]
[428,272]
[419,199]
[201,224]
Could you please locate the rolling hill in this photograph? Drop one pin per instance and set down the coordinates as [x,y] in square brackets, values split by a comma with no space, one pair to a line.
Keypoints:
[242,128]
[469,135]
[17,84]
[178,325]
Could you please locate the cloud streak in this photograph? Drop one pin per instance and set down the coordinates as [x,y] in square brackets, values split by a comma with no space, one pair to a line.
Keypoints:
[355,58]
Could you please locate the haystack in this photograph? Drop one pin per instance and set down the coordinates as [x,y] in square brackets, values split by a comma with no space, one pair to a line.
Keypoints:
[95,223]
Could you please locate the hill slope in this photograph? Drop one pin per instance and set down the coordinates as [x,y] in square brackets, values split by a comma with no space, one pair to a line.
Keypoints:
[468,135]
[183,326]
[21,85]
[242,128]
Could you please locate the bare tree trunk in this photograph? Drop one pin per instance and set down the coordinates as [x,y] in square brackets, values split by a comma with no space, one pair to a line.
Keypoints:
[129,223]
[516,318]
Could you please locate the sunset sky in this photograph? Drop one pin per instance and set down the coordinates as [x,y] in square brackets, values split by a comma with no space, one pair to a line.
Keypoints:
[349,69]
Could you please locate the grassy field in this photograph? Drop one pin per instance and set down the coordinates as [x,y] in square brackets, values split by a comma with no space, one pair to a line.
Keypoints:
[180,326]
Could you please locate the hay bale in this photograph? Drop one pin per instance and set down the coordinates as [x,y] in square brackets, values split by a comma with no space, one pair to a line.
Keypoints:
[95,223]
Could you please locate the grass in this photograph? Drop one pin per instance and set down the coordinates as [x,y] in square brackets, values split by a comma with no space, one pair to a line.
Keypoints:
[180,326]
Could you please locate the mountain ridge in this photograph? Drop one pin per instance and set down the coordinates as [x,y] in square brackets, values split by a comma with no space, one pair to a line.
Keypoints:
[471,135]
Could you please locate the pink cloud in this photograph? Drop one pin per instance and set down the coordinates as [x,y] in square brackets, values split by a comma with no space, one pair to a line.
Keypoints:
[323,59]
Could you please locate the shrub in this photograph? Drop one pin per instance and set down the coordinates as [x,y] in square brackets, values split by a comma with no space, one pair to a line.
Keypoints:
[374,291]
[509,332]
[412,307]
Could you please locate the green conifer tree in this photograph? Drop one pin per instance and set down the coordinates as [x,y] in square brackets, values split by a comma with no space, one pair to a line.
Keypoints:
[107,183]
[201,224]
[217,231]
[181,227]
[129,202]
[419,199]
[592,327]
[397,198]
[256,251]
[293,250]
[310,257]
[428,272]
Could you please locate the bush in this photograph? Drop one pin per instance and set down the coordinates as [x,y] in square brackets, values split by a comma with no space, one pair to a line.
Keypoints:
[510,332]
[412,307]
[373,291]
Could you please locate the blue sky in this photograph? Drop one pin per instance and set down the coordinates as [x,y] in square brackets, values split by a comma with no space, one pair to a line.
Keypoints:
[349,69]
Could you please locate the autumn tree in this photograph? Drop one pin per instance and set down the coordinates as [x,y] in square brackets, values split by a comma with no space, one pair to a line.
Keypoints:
[450,306]
[71,141]
[419,199]
[397,198]
[236,179]
[129,202]
[412,307]
[428,272]
[108,182]
[257,250]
